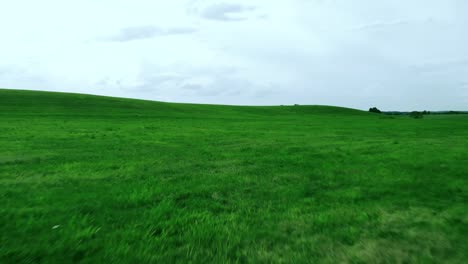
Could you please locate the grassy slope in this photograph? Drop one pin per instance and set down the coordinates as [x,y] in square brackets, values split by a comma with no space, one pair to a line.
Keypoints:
[129,180]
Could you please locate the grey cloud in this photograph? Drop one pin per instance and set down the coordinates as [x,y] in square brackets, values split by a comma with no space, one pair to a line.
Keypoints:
[457,64]
[146,32]
[380,24]
[227,12]
[158,82]
[17,78]
[202,90]
[211,85]
[221,86]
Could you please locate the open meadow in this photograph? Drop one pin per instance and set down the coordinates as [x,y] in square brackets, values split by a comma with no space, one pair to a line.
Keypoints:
[93,179]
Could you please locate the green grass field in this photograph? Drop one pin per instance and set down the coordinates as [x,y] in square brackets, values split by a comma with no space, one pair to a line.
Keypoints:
[94,179]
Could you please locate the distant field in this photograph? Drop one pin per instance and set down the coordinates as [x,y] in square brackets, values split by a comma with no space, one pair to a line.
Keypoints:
[94,179]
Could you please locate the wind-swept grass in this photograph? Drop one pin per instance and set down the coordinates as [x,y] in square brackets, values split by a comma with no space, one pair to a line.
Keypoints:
[94,179]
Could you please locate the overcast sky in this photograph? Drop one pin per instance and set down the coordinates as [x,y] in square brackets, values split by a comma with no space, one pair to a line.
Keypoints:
[393,54]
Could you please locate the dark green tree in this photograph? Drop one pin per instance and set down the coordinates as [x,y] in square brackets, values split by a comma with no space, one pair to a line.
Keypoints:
[375,110]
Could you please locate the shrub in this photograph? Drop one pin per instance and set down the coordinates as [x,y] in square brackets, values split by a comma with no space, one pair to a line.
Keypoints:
[375,110]
[416,114]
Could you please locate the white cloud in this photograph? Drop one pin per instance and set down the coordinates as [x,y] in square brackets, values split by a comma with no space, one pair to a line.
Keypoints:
[226,12]
[146,32]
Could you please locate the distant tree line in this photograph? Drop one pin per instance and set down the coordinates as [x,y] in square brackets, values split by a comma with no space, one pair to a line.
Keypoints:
[417,114]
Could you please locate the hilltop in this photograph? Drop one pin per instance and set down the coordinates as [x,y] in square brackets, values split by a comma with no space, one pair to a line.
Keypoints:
[82,104]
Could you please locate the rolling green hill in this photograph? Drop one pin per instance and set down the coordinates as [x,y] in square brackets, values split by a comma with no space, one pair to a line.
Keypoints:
[94,179]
